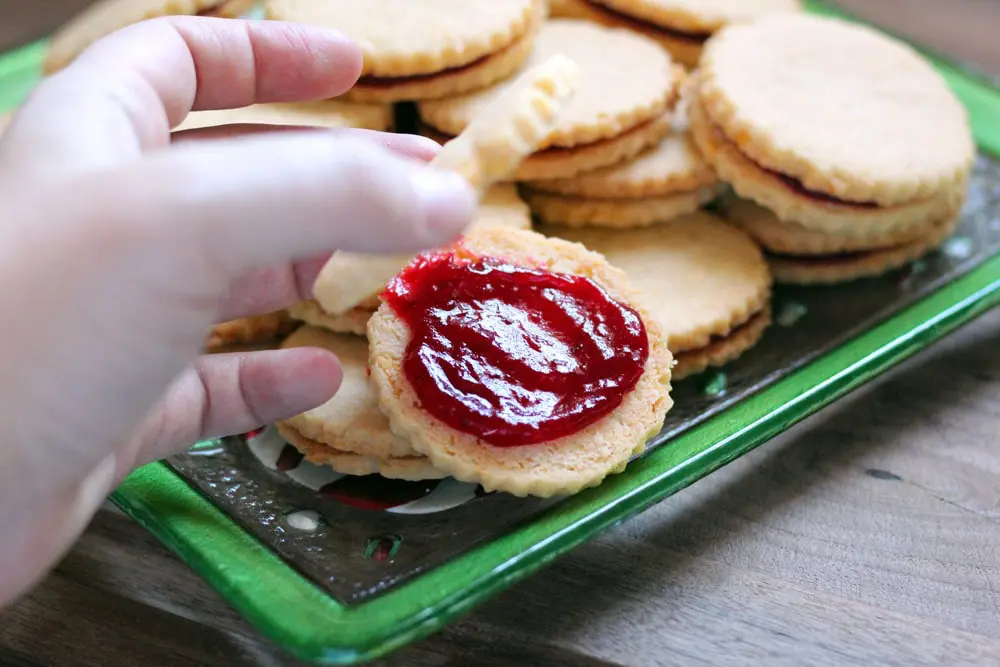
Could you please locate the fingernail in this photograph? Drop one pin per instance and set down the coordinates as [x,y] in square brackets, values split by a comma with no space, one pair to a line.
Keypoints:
[448,201]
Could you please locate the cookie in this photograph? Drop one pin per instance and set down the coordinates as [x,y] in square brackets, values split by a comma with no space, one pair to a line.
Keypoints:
[662,183]
[831,125]
[525,441]
[844,267]
[565,9]
[106,16]
[705,281]
[422,50]
[350,421]
[492,146]
[789,238]
[680,26]
[408,468]
[250,331]
[610,119]
[500,207]
[328,113]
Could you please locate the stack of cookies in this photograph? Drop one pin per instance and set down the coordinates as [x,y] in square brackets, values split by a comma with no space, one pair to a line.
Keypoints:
[851,152]
[682,27]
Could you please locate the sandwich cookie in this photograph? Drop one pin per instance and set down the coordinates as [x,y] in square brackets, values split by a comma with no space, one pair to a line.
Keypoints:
[500,207]
[427,49]
[706,282]
[537,371]
[802,256]
[250,331]
[328,113]
[610,119]
[106,16]
[832,126]
[682,27]
[348,433]
[489,149]
[662,183]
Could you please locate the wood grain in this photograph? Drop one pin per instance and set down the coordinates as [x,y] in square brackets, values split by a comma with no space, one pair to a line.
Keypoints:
[866,535]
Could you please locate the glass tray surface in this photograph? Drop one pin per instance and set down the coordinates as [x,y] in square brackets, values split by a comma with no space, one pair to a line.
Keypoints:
[340,570]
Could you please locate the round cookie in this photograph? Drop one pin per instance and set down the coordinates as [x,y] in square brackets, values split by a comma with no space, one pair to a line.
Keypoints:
[250,330]
[702,279]
[673,165]
[701,17]
[829,269]
[607,110]
[354,321]
[408,468]
[350,421]
[723,349]
[791,202]
[432,48]
[617,213]
[840,108]
[560,466]
[781,237]
[327,113]
[106,16]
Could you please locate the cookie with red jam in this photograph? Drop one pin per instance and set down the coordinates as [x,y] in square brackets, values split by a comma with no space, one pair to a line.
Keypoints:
[524,363]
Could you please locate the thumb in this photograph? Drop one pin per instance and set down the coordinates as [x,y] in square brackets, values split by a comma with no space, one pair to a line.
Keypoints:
[265,200]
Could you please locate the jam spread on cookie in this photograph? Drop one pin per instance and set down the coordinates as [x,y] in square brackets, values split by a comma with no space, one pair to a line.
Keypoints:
[514,355]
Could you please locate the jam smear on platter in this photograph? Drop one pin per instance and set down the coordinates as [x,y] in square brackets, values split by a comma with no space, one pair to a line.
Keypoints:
[514,355]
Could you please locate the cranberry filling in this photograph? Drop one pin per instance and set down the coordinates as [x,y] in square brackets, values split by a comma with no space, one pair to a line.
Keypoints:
[513,355]
[639,25]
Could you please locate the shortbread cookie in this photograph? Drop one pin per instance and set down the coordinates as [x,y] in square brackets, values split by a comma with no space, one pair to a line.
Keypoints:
[843,267]
[520,391]
[616,213]
[702,279]
[495,142]
[611,118]
[421,50]
[662,183]
[328,113]
[250,330]
[831,125]
[500,207]
[106,16]
[789,238]
[408,468]
[680,26]
[350,422]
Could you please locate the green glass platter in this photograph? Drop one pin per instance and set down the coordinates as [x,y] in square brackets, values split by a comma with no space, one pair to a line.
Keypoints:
[338,571]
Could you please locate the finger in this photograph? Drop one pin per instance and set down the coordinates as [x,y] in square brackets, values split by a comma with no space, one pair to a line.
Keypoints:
[270,199]
[407,145]
[267,290]
[227,394]
[123,94]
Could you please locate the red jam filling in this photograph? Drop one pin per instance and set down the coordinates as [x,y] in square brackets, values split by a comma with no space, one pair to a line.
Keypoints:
[796,186]
[513,355]
[640,25]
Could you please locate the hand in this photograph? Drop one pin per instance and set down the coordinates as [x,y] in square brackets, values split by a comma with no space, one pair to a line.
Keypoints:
[119,247]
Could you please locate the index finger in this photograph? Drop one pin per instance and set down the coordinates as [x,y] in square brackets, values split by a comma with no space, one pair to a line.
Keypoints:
[123,95]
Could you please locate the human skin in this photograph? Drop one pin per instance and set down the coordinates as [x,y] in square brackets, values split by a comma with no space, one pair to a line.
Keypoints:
[120,245]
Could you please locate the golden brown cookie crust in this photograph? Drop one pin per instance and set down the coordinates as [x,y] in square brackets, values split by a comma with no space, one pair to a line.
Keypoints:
[751,181]
[700,277]
[327,113]
[562,466]
[250,330]
[673,165]
[350,421]
[106,16]
[408,468]
[616,213]
[722,350]
[818,270]
[354,321]
[404,38]
[789,91]
[605,105]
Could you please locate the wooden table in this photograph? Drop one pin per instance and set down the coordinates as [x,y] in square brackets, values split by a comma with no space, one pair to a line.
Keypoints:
[867,535]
